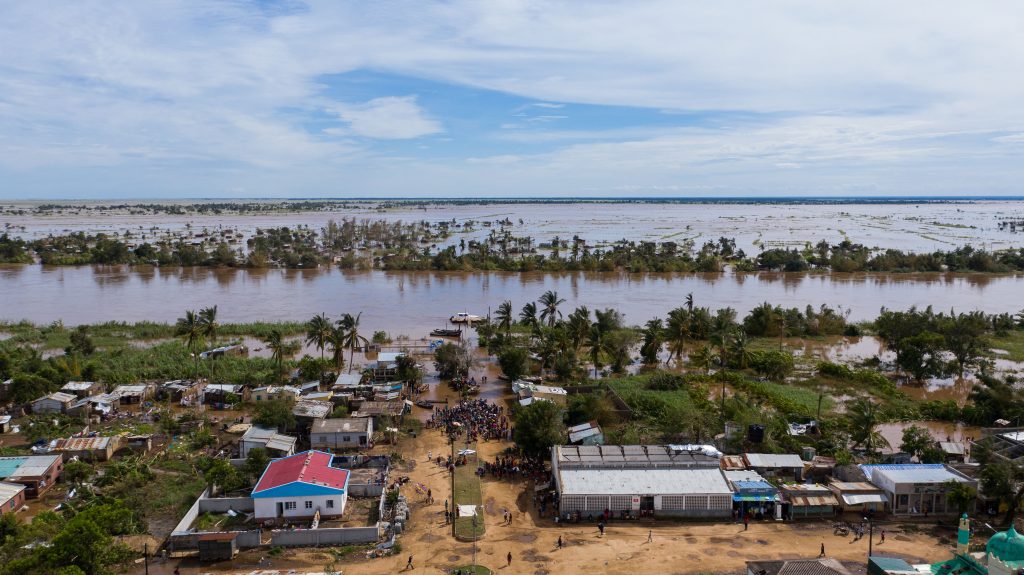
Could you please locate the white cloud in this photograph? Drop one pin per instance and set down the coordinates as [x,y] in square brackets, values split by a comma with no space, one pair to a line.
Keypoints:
[389,118]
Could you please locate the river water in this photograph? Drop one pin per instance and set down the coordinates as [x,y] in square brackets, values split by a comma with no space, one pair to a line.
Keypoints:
[411,303]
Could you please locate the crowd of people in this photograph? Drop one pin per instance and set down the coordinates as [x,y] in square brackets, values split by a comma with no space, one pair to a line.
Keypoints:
[477,418]
[512,466]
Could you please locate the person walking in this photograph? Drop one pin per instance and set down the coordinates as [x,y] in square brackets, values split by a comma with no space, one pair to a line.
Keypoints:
[822,554]
[430,496]
[408,565]
[746,522]
[882,540]
[650,535]
[600,527]
[509,559]
[559,541]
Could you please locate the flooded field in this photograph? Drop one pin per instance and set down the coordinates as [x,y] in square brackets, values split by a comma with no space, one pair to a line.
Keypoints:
[919,227]
[412,303]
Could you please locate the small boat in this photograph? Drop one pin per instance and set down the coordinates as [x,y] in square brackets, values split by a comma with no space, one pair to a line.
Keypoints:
[444,332]
[465,318]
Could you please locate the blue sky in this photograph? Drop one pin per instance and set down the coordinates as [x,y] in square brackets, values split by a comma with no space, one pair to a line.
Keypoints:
[510,98]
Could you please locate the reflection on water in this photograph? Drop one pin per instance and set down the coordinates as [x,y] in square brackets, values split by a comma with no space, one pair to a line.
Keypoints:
[412,302]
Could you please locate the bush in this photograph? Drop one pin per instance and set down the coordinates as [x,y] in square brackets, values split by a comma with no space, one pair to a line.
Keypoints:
[513,362]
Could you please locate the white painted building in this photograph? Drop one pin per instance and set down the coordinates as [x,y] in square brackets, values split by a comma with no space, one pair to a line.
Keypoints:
[300,486]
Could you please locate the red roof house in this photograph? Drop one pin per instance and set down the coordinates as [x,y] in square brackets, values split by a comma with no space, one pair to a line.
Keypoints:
[298,486]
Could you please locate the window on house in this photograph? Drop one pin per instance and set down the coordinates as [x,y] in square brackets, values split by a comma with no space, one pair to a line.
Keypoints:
[289,505]
[330,504]
[323,439]
[347,439]
[309,505]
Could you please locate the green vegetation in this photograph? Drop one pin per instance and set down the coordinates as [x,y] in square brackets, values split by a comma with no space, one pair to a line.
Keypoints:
[466,491]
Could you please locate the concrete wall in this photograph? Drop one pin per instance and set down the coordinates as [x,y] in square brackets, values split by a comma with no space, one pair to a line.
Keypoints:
[338,536]
[191,515]
[190,541]
[221,505]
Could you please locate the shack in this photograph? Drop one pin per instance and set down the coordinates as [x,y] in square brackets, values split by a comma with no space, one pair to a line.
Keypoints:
[586,434]
[102,404]
[752,494]
[808,501]
[224,395]
[276,444]
[5,423]
[182,391]
[786,466]
[88,448]
[347,381]
[377,409]
[133,394]
[858,496]
[217,546]
[82,389]
[341,433]
[57,402]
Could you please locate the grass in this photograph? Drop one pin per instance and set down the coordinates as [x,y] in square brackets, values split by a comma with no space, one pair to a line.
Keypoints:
[466,491]
[473,569]
[1013,343]
[114,333]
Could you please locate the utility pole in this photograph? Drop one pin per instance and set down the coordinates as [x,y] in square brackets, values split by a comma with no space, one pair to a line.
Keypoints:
[145,556]
[871,536]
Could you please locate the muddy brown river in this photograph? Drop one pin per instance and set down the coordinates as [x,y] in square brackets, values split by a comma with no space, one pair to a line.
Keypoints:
[410,303]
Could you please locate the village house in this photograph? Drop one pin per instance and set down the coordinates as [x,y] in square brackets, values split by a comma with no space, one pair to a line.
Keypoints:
[819,566]
[682,481]
[5,423]
[182,391]
[224,395]
[133,394]
[859,497]
[103,404]
[299,487]
[917,489]
[37,473]
[88,448]
[266,393]
[753,495]
[341,433]
[57,402]
[378,409]
[306,411]
[276,444]
[386,366]
[12,497]
[347,381]
[82,389]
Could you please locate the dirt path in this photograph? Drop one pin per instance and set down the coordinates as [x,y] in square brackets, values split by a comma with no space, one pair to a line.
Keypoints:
[677,547]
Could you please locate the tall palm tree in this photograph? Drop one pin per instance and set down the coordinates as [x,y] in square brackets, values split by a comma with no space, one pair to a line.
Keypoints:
[596,344]
[528,316]
[703,358]
[739,351]
[579,326]
[209,325]
[504,316]
[549,303]
[280,349]
[336,341]
[352,340]
[862,417]
[190,329]
[689,302]
[677,331]
[318,332]
[654,338]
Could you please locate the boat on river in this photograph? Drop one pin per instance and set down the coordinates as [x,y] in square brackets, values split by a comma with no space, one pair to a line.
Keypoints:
[465,318]
[446,332]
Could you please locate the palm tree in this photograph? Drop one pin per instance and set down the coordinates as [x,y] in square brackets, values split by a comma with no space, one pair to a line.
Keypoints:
[549,307]
[504,316]
[654,338]
[528,316]
[677,331]
[703,358]
[1004,480]
[209,325]
[689,302]
[579,326]
[739,352]
[190,329]
[352,339]
[318,332]
[595,342]
[862,417]
[280,349]
[336,341]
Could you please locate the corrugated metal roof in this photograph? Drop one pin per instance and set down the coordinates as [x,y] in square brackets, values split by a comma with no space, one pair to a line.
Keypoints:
[79,385]
[912,473]
[697,481]
[773,460]
[9,490]
[30,466]
[735,475]
[812,500]
[952,447]
[85,443]
[341,425]
[58,396]
[858,498]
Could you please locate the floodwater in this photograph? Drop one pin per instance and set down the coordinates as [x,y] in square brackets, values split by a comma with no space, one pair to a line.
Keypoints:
[412,303]
[920,227]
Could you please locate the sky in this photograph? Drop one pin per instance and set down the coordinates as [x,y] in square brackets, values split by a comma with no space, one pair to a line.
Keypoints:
[510,98]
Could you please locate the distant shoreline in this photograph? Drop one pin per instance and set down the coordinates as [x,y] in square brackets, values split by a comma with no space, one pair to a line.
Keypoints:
[412,201]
